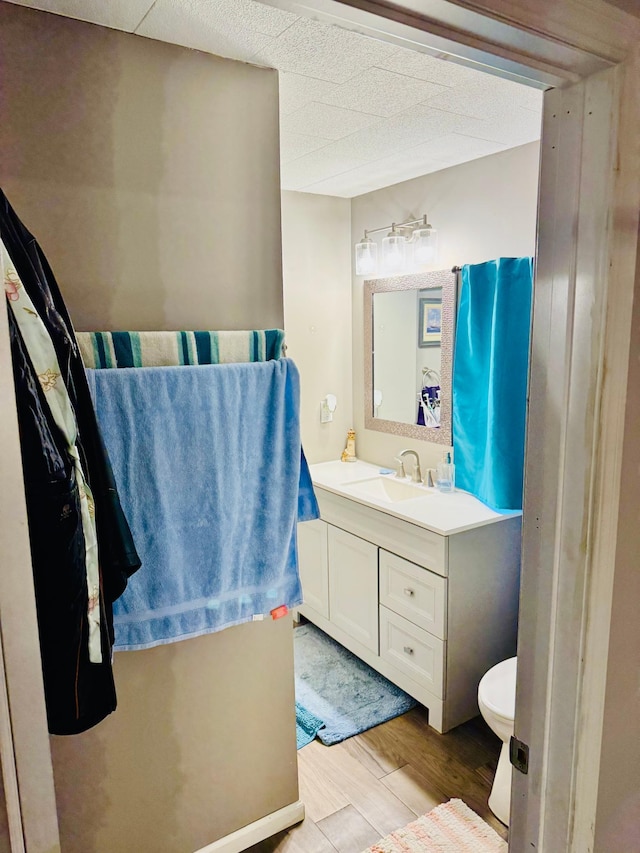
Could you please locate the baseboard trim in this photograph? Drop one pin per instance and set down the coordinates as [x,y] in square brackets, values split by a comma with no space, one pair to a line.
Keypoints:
[257,831]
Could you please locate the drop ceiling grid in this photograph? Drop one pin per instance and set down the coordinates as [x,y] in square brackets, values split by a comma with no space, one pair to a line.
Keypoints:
[467,121]
[356,113]
[116,14]
[325,52]
[354,110]
[296,145]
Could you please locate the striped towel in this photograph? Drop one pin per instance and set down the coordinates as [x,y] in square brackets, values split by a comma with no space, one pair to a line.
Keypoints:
[165,349]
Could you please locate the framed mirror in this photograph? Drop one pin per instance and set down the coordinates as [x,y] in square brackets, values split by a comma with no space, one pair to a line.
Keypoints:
[408,338]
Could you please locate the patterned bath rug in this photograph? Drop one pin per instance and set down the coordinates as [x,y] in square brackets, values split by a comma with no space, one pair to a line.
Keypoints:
[340,689]
[307,725]
[449,828]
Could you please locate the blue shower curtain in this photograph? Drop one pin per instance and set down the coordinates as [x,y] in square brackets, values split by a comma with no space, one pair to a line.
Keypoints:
[490,372]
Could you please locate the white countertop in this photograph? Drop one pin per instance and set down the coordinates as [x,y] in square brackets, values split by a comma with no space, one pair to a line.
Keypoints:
[443,513]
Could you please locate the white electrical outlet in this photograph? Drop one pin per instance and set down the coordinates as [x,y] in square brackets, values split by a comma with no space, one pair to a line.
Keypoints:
[326,415]
[327,408]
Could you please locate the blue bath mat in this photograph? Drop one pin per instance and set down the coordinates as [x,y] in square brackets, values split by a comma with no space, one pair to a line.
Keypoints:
[307,726]
[340,689]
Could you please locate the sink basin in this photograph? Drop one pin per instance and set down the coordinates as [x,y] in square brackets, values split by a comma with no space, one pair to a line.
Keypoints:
[342,473]
[387,489]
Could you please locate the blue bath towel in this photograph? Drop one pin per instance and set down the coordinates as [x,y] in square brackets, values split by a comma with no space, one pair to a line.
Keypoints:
[208,465]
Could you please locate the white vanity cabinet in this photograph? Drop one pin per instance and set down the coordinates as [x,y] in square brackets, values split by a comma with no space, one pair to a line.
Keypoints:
[314,566]
[352,596]
[431,612]
[353,586]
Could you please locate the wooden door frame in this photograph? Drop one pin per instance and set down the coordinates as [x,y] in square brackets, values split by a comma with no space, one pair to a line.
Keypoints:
[585,282]
[25,755]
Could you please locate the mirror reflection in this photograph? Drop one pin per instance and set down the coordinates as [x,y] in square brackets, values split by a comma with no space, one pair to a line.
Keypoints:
[407,328]
[408,355]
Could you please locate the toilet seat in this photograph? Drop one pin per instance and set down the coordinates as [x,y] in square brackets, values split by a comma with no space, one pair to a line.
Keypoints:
[497,689]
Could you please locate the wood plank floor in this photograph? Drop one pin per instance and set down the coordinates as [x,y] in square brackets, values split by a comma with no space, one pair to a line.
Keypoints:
[365,787]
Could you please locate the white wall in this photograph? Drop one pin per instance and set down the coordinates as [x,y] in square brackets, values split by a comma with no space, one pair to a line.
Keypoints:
[482,210]
[316,250]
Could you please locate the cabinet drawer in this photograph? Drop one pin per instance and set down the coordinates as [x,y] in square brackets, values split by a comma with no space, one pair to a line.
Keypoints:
[413,592]
[413,651]
[421,546]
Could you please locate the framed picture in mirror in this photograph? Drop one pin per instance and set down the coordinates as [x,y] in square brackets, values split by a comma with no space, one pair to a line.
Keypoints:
[429,322]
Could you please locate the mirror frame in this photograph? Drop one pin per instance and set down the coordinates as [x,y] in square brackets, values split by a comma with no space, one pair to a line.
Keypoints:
[448,281]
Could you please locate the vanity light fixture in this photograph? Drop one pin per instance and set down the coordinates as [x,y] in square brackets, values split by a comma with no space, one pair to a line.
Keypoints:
[366,256]
[393,251]
[395,257]
[425,243]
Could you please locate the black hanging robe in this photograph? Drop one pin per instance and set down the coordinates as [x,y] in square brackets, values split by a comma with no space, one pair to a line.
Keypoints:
[78,693]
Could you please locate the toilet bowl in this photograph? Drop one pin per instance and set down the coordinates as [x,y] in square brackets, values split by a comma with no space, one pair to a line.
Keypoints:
[497,701]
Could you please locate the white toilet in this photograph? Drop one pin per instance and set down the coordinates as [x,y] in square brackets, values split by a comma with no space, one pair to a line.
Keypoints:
[497,701]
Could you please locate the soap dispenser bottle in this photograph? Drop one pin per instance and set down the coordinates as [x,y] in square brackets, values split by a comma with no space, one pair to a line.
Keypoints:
[446,474]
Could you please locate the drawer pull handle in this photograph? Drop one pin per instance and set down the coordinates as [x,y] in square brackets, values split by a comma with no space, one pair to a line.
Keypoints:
[408,591]
[408,650]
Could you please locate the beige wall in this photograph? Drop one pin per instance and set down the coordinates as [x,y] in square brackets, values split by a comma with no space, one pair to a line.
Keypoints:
[316,251]
[202,743]
[5,841]
[482,210]
[149,174]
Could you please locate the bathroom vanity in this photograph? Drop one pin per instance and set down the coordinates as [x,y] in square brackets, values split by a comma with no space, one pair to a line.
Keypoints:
[422,586]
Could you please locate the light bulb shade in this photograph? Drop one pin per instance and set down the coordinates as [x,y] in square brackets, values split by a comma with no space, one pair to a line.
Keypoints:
[393,253]
[366,257]
[425,246]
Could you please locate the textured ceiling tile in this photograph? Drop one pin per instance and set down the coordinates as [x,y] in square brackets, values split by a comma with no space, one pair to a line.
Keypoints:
[381,92]
[454,148]
[335,187]
[403,131]
[488,98]
[297,91]
[315,167]
[443,71]
[325,121]
[507,92]
[465,102]
[420,160]
[232,28]
[365,179]
[519,127]
[326,52]
[294,145]
[249,13]
[117,14]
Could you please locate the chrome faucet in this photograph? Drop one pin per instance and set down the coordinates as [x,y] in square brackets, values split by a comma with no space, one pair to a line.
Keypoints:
[417,473]
[400,473]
